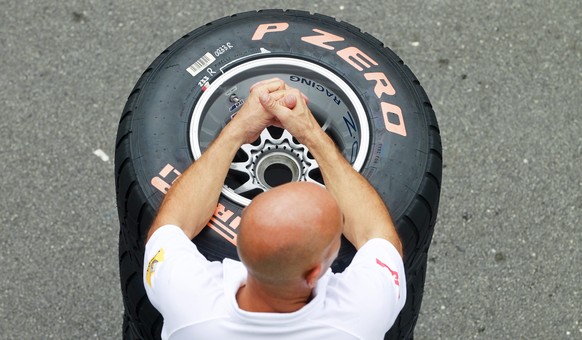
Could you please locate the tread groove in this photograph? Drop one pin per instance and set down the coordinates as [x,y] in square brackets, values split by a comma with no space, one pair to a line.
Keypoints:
[433,178]
[129,190]
[435,129]
[123,164]
[408,220]
[128,282]
[422,199]
[122,138]
[126,114]
[142,210]
[134,92]
[437,154]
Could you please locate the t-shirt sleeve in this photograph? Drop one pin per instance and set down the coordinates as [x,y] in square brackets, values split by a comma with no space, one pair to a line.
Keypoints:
[174,275]
[372,290]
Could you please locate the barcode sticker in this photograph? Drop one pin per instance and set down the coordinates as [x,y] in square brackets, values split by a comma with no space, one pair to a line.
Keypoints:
[201,64]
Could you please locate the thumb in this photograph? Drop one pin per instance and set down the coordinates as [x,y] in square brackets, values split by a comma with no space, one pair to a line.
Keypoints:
[271,105]
[290,101]
[266,100]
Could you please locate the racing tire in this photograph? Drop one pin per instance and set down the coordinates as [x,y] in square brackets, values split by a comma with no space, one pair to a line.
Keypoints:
[361,92]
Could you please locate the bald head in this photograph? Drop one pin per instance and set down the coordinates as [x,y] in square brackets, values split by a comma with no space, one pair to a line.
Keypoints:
[288,230]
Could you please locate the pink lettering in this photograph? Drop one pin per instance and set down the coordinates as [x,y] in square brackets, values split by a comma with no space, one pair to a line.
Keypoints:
[399,128]
[269,28]
[383,85]
[323,39]
[353,54]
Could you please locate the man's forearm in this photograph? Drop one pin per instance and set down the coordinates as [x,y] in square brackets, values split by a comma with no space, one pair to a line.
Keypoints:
[192,199]
[365,213]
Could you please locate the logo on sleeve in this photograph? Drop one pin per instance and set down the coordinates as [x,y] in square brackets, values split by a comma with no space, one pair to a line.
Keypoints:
[153,265]
[394,273]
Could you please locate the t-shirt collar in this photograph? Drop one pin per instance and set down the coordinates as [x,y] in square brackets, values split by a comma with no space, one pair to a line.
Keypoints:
[235,275]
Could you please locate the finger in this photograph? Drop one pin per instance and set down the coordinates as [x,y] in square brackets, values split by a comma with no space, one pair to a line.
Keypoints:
[259,83]
[271,85]
[288,98]
[277,95]
[289,90]
[276,85]
[273,105]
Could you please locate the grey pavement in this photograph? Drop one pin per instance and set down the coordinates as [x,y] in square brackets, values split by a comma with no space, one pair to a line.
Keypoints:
[504,78]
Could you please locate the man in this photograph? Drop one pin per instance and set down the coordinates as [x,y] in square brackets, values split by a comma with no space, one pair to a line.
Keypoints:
[288,238]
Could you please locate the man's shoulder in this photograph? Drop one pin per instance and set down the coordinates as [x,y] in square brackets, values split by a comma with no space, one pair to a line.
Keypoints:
[374,252]
[379,245]
[375,275]
[172,261]
[373,287]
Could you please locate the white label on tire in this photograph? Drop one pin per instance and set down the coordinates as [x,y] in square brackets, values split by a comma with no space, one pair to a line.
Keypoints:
[201,64]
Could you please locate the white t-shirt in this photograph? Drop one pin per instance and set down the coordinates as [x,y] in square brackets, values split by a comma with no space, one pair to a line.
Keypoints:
[197,298]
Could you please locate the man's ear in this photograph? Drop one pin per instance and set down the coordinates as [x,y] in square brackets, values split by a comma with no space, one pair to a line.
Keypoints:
[312,276]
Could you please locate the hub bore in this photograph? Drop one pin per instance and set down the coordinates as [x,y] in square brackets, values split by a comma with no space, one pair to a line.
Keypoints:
[278,168]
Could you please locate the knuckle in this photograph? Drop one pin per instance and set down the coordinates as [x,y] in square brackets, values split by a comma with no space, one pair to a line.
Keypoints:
[281,83]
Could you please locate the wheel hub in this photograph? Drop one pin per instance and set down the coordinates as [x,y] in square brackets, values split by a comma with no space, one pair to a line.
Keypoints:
[274,161]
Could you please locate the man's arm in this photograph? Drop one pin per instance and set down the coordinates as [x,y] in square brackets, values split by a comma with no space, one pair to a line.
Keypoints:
[192,199]
[366,215]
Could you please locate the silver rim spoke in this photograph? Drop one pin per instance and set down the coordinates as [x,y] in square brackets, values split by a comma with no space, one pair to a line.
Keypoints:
[264,137]
[239,166]
[248,186]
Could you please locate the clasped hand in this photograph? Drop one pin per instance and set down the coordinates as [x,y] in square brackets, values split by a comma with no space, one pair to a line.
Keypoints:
[273,103]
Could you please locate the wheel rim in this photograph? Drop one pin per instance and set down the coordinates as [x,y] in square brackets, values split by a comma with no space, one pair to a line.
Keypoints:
[276,157]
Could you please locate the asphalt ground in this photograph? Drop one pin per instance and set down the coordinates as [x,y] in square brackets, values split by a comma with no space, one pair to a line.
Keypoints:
[504,78]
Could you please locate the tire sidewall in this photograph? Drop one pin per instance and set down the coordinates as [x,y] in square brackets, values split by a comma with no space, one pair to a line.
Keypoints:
[394,164]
